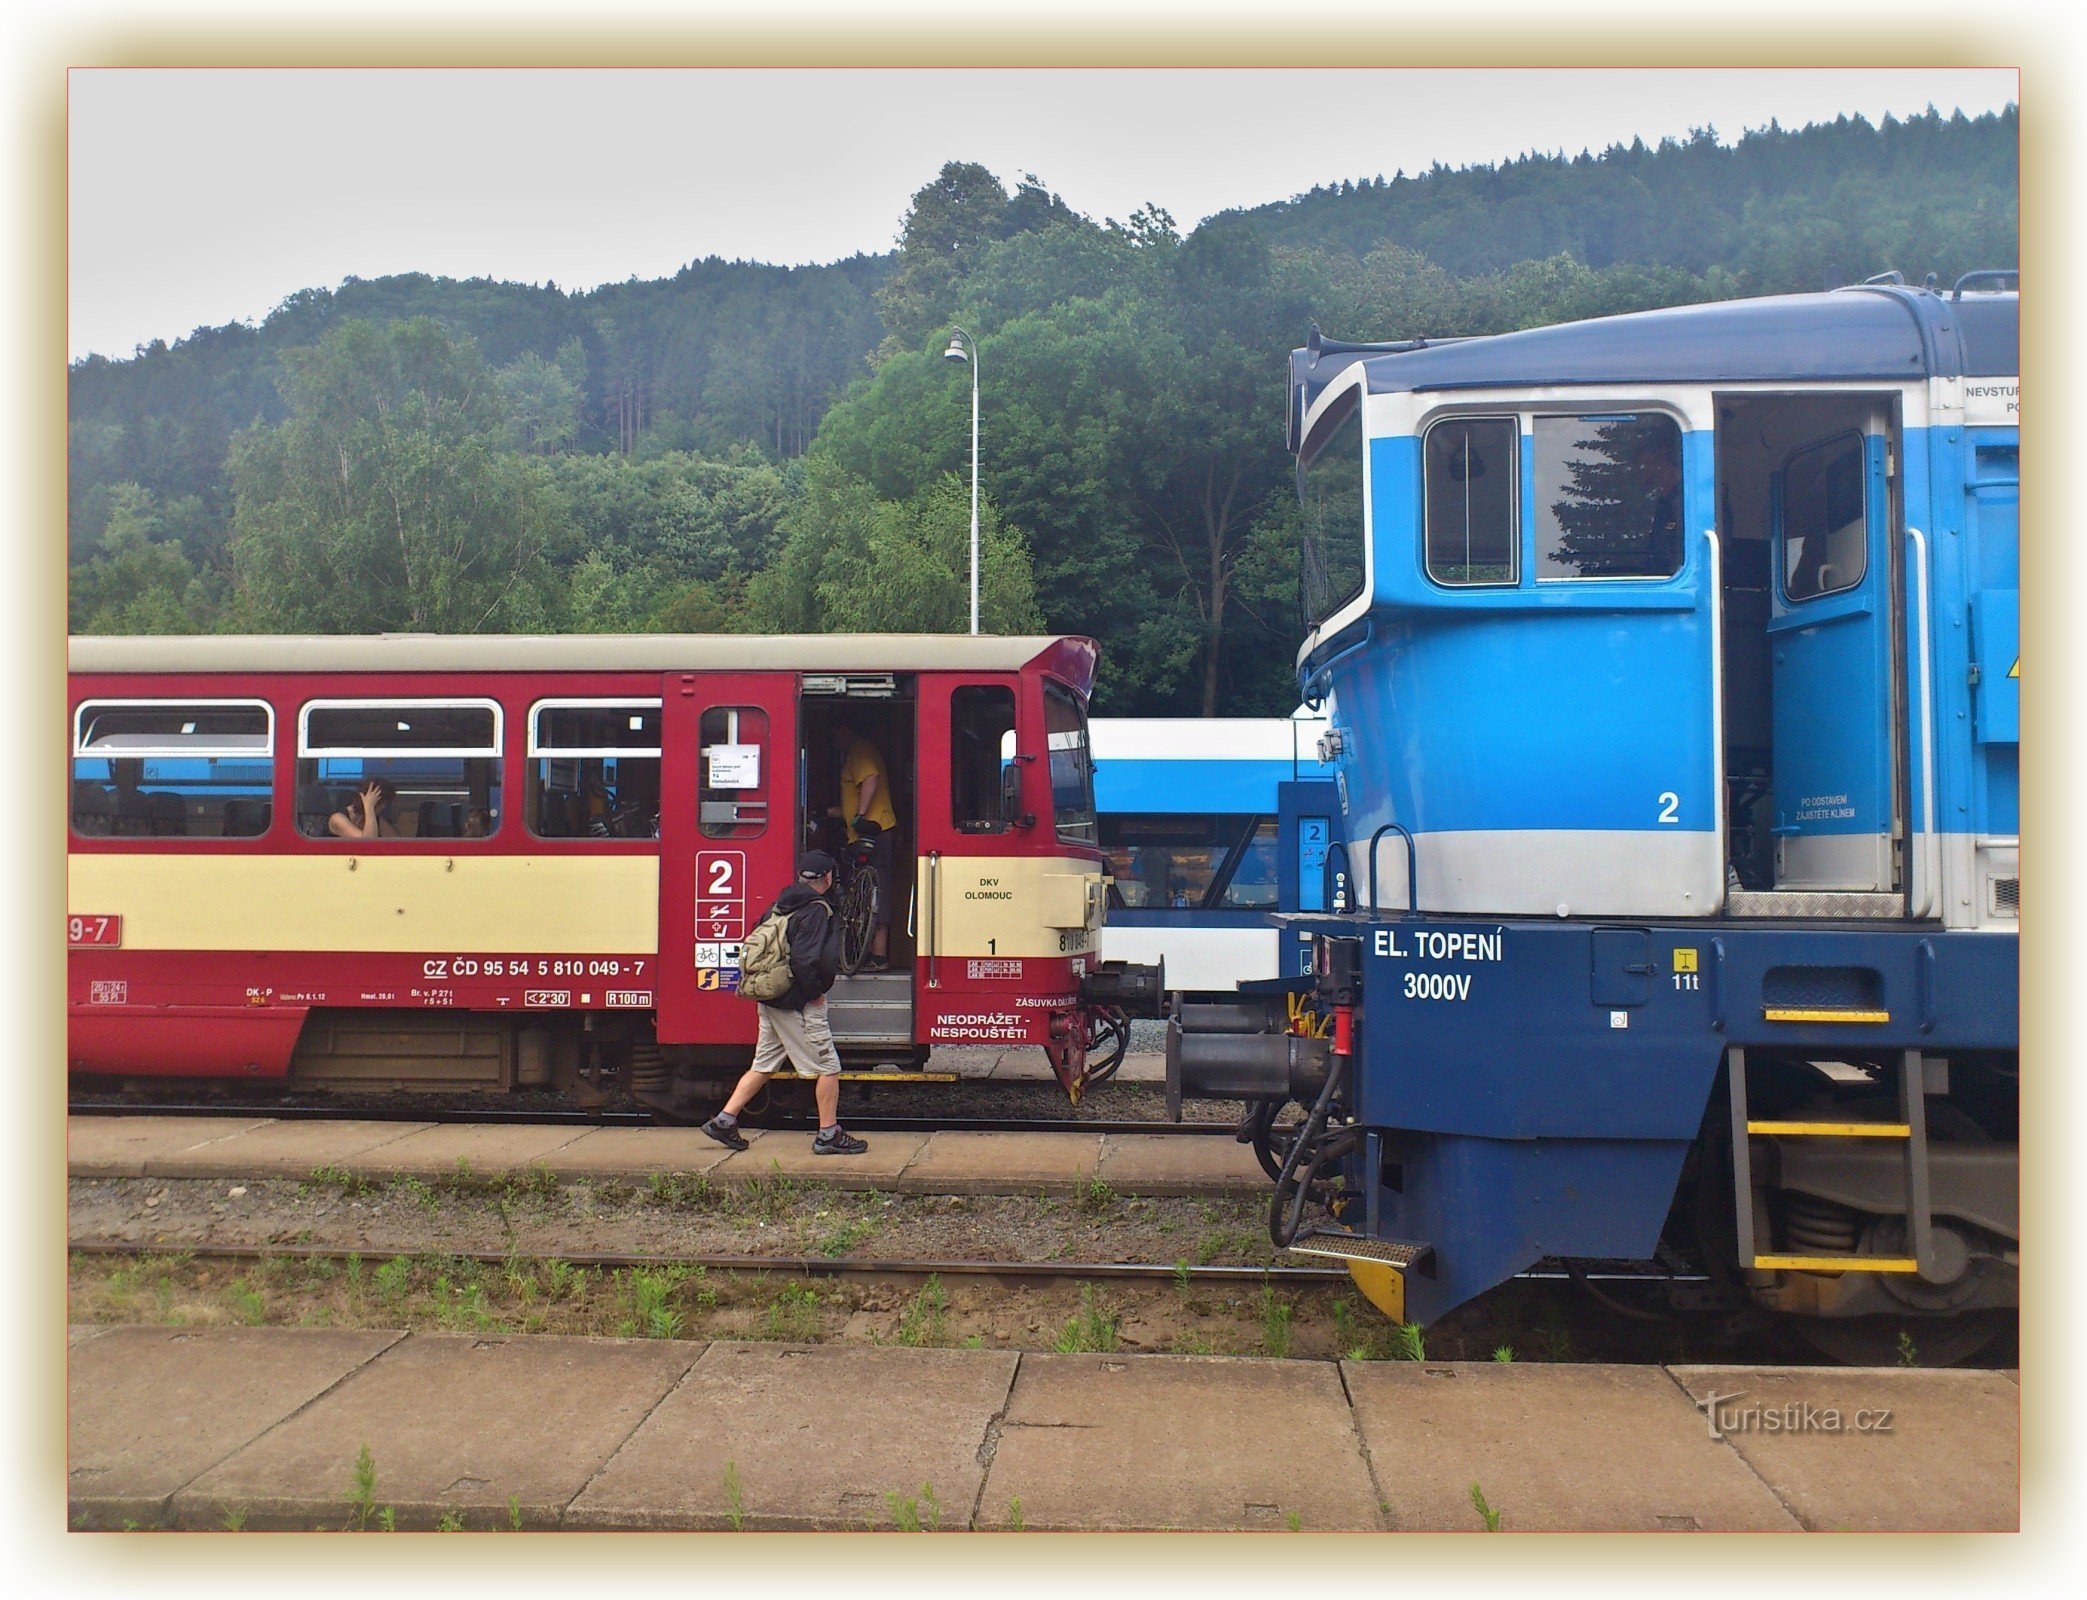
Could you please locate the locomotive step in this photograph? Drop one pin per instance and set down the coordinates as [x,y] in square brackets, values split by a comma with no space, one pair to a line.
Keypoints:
[1407,1255]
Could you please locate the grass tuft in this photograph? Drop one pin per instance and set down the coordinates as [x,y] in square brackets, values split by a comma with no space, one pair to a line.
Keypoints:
[1487,1516]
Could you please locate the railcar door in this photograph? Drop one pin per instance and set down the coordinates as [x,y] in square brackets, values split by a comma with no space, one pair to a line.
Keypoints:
[1830,628]
[728,832]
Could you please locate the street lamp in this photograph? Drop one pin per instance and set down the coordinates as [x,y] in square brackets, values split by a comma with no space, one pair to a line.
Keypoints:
[964,348]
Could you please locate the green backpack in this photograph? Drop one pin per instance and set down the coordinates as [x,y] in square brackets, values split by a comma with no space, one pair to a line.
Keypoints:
[764,959]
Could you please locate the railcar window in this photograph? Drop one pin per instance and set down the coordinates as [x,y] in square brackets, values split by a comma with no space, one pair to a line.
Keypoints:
[1825,520]
[1608,497]
[736,776]
[594,769]
[1472,468]
[437,762]
[1251,886]
[1072,767]
[981,725]
[193,769]
[1329,489]
[1174,861]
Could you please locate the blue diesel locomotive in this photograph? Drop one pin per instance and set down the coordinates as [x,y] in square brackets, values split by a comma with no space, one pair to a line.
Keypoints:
[1671,665]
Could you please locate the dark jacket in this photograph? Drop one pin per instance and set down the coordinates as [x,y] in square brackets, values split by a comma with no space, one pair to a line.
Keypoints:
[815,946]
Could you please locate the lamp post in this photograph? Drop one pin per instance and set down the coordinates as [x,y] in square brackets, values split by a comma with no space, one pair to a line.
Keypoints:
[964,348]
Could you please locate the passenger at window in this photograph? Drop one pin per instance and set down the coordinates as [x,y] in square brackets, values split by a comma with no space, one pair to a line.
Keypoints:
[367,815]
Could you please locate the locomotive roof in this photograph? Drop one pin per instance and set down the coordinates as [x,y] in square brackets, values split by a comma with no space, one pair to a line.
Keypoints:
[1874,332]
[588,652]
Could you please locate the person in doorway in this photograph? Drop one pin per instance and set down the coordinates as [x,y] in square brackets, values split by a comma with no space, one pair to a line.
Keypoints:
[794,1026]
[865,796]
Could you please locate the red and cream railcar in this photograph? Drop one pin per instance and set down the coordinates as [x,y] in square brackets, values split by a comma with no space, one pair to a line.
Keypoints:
[581,831]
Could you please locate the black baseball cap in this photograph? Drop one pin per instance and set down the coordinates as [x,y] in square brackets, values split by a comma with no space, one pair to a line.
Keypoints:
[814,864]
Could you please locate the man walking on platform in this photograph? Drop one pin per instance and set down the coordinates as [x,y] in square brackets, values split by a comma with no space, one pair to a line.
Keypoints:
[793,1022]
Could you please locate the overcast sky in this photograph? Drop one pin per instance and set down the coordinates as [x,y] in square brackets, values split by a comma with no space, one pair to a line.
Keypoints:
[201,197]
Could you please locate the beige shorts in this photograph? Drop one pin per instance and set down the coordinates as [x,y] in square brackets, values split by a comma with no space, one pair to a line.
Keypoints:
[800,1037]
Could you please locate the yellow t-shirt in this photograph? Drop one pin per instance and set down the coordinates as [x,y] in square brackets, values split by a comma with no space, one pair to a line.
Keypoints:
[863,762]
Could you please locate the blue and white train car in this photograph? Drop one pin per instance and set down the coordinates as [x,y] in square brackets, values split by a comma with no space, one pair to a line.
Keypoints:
[1672,663]
[1209,824]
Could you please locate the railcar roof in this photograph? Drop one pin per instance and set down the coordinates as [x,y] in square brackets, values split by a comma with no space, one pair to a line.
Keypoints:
[591,652]
[1868,333]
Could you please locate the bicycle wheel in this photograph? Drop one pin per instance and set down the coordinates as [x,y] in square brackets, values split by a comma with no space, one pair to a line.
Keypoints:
[858,919]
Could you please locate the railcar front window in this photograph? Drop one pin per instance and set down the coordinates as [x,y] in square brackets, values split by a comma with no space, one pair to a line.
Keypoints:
[173,769]
[1329,488]
[1608,497]
[1072,768]
[594,769]
[1825,521]
[435,765]
[1473,535]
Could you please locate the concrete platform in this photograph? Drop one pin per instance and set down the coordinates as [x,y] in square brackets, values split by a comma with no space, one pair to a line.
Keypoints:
[992,1163]
[183,1426]
[635,1152]
[790,1155]
[269,1150]
[1183,1442]
[812,1437]
[917,1163]
[1869,1449]
[1552,1447]
[1181,1164]
[152,1410]
[455,1424]
[435,1152]
[126,1147]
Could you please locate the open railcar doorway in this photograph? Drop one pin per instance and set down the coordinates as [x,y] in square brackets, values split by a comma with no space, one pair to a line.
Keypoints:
[858,729]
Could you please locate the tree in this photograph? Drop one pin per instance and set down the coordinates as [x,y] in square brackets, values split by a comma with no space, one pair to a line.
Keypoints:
[386,500]
[856,563]
[137,582]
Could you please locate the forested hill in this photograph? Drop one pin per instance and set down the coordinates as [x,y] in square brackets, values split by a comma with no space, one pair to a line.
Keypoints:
[744,446]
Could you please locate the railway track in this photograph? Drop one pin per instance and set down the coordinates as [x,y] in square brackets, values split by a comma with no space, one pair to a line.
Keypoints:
[868,1123]
[795,1265]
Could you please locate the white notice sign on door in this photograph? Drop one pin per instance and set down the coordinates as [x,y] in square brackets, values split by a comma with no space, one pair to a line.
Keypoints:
[734,766]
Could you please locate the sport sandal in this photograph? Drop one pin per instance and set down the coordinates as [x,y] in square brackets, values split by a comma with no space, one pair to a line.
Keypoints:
[843,1143]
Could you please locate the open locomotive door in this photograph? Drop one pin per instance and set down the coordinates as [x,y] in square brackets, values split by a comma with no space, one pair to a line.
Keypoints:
[1830,632]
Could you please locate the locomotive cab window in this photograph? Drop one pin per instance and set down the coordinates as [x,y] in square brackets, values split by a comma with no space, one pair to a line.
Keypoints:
[430,769]
[594,769]
[1330,493]
[1072,766]
[1471,469]
[984,780]
[1608,497]
[193,769]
